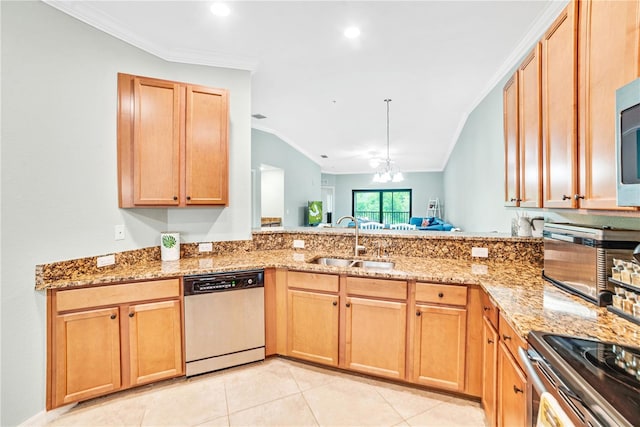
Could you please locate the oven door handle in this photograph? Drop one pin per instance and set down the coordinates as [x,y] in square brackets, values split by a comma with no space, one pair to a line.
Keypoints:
[532,376]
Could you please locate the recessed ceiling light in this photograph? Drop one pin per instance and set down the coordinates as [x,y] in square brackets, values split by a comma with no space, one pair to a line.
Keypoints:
[352,32]
[258,116]
[220,9]
[324,156]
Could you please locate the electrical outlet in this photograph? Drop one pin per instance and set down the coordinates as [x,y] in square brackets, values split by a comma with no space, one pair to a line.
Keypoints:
[298,244]
[119,232]
[480,252]
[205,247]
[106,260]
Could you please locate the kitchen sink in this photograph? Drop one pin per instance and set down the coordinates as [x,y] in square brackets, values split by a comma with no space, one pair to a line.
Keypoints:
[358,263]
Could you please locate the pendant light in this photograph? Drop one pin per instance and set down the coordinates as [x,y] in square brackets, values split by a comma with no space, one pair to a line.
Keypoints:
[387,172]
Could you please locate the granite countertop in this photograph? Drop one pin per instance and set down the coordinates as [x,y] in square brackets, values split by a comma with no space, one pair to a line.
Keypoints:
[525,300]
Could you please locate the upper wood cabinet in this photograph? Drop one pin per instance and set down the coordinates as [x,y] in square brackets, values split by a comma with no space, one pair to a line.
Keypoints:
[511,153]
[172,143]
[608,58]
[592,49]
[522,130]
[559,65]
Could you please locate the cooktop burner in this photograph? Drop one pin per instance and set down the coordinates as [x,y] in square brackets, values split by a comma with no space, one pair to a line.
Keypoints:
[610,369]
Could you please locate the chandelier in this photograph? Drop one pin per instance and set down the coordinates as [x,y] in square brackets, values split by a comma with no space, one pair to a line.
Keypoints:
[387,171]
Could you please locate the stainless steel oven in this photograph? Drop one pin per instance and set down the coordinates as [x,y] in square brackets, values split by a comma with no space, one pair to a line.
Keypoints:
[223,320]
[595,383]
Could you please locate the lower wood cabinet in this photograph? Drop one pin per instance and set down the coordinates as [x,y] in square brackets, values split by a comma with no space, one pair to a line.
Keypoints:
[512,386]
[312,326]
[489,371]
[155,341]
[376,336]
[87,354]
[439,347]
[111,337]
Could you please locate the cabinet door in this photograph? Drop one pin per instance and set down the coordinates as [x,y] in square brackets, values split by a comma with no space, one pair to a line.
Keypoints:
[440,341]
[511,153]
[206,146]
[489,371]
[370,323]
[608,58]
[312,327]
[155,340]
[512,407]
[530,130]
[87,354]
[156,142]
[559,110]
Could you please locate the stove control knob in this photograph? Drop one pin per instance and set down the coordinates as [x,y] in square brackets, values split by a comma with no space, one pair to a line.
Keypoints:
[249,281]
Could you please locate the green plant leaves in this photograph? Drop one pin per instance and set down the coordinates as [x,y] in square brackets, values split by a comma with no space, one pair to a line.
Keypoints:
[168,241]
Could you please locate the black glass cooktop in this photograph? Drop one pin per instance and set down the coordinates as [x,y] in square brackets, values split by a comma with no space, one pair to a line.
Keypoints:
[612,370]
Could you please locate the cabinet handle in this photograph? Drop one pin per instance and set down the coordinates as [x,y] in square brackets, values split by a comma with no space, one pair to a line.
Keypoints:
[506,337]
[348,304]
[132,314]
[565,197]
[513,199]
[486,308]
[489,341]
[578,197]
[517,390]
[418,313]
[440,295]
[175,197]
[113,316]
[335,303]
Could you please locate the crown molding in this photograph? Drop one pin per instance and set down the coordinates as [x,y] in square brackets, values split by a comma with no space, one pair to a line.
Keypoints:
[535,33]
[85,12]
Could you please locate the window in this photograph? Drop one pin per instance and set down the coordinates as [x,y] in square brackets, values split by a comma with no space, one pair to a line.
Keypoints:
[385,206]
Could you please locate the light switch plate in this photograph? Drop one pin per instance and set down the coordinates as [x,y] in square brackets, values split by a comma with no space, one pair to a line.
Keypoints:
[205,247]
[480,252]
[106,260]
[298,244]
[119,232]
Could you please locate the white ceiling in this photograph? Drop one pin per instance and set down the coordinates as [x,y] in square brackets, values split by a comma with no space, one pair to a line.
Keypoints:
[324,93]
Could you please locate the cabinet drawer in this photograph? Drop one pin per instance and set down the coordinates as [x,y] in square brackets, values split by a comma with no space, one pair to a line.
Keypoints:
[489,310]
[510,338]
[441,294]
[314,281]
[74,299]
[394,289]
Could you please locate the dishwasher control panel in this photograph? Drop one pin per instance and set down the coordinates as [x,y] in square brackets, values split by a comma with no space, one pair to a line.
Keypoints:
[218,282]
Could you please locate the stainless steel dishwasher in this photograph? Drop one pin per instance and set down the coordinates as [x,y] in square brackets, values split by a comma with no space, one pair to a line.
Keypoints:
[223,320]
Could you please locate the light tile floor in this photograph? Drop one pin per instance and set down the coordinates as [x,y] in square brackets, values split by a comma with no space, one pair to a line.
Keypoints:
[276,392]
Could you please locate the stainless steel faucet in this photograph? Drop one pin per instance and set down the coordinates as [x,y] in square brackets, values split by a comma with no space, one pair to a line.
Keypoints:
[356,248]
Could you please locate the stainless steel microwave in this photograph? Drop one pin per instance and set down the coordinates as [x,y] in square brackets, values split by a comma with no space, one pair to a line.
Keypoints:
[628,144]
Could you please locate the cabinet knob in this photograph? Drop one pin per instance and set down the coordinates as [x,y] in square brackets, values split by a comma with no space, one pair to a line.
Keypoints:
[440,295]
[418,313]
[188,197]
[578,197]
[506,337]
[489,341]
[348,304]
[335,303]
[113,316]
[565,197]
[132,314]
[517,390]
[513,199]
[175,197]
[486,308]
